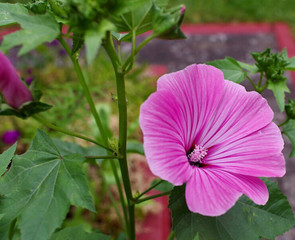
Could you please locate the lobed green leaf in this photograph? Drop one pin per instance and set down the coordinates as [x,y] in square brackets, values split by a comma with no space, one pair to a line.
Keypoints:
[40,187]
[35,29]
[231,69]
[245,221]
[78,233]
[279,88]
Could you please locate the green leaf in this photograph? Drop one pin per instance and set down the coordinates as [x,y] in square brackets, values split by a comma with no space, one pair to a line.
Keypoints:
[140,18]
[279,88]
[7,8]
[6,157]
[93,39]
[78,41]
[35,30]
[25,111]
[291,65]
[245,221]
[135,147]
[251,68]
[289,130]
[78,233]
[40,187]
[231,69]
[70,147]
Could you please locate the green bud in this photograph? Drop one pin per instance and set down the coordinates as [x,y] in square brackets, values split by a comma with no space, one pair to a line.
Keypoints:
[273,65]
[290,109]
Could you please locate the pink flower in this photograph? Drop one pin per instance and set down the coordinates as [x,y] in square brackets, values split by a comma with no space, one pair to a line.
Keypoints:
[213,135]
[13,89]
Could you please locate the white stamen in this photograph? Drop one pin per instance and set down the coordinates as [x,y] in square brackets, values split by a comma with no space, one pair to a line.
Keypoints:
[197,154]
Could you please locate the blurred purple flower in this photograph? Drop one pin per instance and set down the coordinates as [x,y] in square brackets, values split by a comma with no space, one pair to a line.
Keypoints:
[10,137]
[62,52]
[29,80]
[53,43]
[182,10]
[13,89]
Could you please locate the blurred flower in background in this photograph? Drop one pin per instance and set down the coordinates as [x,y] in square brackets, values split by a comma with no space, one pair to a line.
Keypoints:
[10,137]
[12,88]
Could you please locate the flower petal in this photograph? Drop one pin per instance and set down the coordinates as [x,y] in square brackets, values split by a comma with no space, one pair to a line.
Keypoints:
[238,114]
[208,194]
[162,128]
[198,89]
[258,154]
[212,192]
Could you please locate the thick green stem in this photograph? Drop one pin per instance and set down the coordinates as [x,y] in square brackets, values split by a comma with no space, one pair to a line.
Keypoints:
[122,148]
[122,106]
[67,132]
[85,88]
[97,120]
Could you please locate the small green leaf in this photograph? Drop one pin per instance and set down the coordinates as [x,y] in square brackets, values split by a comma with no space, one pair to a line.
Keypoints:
[77,233]
[93,39]
[118,36]
[245,221]
[231,69]
[6,157]
[289,130]
[279,88]
[135,147]
[35,31]
[78,41]
[39,189]
[25,111]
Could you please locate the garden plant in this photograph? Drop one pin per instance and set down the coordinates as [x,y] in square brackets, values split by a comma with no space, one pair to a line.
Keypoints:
[212,144]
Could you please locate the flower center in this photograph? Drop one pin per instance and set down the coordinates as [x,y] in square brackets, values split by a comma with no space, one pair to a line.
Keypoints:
[196,156]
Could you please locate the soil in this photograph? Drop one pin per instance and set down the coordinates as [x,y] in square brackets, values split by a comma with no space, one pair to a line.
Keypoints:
[177,54]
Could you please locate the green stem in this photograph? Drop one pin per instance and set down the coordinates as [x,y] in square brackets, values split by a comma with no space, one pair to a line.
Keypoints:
[283,123]
[260,80]
[68,132]
[97,119]
[151,197]
[149,189]
[122,148]
[118,182]
[11,229]
[262,88]
[85,88]
[112,198]
[120,82]
[252,83]
[129,61]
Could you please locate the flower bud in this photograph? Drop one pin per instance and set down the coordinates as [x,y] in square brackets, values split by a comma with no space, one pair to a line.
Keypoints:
[12,87]
[290,109]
